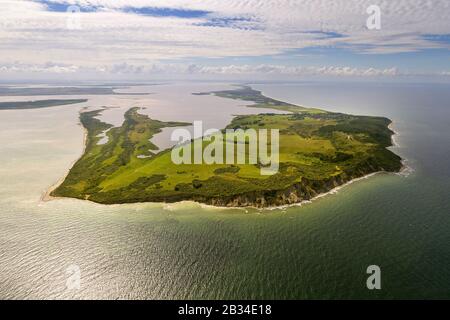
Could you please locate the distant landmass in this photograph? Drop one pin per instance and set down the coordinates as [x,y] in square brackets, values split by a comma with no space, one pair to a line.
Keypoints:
[61,91]
[20,105]
[319,151]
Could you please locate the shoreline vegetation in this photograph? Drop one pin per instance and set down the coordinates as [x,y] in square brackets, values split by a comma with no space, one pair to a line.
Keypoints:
[319,152]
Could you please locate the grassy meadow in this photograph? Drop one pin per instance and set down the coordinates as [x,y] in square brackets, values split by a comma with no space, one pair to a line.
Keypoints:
[318,150]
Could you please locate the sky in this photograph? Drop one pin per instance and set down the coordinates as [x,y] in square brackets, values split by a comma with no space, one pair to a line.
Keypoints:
[224,39]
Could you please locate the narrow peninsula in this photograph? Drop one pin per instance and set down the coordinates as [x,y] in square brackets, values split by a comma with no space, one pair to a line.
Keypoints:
[38,104]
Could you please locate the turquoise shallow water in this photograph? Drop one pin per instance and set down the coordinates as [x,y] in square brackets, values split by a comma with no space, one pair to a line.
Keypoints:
[318,250]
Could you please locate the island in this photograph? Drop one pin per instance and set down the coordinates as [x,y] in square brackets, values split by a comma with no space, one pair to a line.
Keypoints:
[64,91]
[23,105]
[318,151]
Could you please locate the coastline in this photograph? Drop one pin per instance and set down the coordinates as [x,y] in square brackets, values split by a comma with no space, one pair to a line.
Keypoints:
[393,141]
[171,206]
[404,171]
[46,197]
[322,195]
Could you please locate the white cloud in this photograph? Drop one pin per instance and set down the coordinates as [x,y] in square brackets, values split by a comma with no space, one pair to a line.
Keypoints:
[46,68]
[297,71]
[158,69]
[32,35]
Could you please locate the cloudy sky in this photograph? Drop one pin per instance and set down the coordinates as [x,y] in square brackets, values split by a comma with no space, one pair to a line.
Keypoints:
[251,39]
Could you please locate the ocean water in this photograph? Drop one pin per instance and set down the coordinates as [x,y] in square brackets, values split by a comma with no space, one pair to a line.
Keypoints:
[152,251]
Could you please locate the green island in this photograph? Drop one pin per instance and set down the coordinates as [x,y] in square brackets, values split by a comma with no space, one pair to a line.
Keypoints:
[22,105]
[318,151]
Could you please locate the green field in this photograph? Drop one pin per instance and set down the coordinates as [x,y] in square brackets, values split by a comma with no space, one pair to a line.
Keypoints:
[319,150]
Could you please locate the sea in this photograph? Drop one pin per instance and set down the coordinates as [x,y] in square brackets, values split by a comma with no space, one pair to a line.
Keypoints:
[73,249]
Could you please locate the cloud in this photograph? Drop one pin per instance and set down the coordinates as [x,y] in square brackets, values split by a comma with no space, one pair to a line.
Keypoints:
[117,31]
[46,68]
[197,69]
[230,72]
[294,71]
